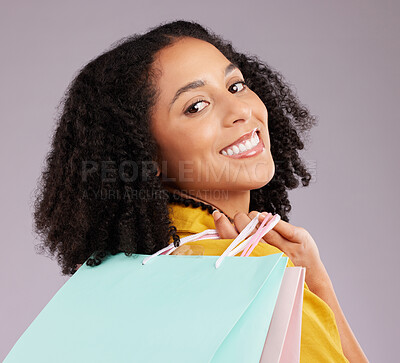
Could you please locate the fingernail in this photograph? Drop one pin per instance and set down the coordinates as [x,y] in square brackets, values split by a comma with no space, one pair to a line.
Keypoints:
[217,215]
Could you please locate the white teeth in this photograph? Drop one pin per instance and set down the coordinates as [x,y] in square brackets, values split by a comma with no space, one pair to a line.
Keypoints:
[248,144]
[245,146]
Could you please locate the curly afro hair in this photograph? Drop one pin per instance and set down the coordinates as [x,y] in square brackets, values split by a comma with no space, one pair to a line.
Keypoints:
[82,214]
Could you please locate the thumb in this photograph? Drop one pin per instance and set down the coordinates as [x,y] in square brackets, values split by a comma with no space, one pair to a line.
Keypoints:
[224,228]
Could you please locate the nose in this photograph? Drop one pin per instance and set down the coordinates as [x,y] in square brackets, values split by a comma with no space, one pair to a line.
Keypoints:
[235,110]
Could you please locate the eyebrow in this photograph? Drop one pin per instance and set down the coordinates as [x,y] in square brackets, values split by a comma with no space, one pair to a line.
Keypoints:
[199,83]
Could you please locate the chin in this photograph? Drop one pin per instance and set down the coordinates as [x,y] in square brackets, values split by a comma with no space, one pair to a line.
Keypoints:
[254,182]
[253,174]
[262,176]
[251,185]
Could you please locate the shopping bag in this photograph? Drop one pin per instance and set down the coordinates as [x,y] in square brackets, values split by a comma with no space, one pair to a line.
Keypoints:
[167,307]
[284,335]
[172,309]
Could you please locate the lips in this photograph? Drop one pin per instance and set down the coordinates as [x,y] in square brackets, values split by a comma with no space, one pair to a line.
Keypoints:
[243,145]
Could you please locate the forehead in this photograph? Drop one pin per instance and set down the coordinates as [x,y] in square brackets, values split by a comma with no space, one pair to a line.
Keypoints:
[187,60]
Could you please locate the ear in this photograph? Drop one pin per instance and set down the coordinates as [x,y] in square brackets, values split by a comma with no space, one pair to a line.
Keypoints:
[158,162]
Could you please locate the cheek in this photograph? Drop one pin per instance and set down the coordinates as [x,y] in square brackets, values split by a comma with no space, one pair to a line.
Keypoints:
[196,140]
[261,112]
[187,152]
[259,109]
[185,144]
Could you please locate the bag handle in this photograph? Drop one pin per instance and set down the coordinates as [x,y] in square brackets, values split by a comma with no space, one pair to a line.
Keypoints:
[235,247]
[240,238]
[261,232]
[206,234]
[252,242]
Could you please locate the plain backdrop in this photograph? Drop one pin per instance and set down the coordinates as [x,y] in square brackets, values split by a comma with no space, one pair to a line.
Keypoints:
[342,58]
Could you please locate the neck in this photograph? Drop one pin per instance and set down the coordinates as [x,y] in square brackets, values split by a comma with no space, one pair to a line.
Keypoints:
[226,201]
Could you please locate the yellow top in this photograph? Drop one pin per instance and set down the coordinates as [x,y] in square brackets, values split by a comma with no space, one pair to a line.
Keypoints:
[320,340]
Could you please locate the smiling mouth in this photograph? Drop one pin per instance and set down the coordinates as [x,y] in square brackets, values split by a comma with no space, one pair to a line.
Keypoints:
[247,145]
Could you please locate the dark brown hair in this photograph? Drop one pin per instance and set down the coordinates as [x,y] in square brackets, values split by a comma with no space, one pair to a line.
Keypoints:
[105,119]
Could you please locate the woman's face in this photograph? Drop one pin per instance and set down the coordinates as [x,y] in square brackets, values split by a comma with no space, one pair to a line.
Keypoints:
[212,131]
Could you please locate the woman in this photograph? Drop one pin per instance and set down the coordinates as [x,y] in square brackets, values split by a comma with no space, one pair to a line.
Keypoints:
[173,132]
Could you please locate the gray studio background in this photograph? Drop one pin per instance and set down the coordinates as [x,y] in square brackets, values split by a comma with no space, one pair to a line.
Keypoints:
[342,58]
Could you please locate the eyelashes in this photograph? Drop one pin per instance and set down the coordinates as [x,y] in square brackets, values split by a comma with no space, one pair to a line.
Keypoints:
[191,107]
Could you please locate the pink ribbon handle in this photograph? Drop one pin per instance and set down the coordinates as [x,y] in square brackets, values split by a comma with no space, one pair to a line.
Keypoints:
[261,232]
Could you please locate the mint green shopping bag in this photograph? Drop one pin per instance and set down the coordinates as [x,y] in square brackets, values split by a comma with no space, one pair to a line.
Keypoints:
[172,309]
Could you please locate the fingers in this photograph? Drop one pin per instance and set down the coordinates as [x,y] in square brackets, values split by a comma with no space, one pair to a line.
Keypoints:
[253,214]
[273,237]
[286,230]
[279,241]
[224,228]
[241,220]
[279,236]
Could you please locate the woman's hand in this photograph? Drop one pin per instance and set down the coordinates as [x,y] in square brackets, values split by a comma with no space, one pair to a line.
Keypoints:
[294,241]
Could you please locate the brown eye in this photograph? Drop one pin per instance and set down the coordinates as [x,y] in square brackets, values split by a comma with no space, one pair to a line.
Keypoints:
[193,108]
[242,83]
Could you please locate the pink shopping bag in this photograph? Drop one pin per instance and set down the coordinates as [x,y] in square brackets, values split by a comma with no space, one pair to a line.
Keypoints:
[284,334]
